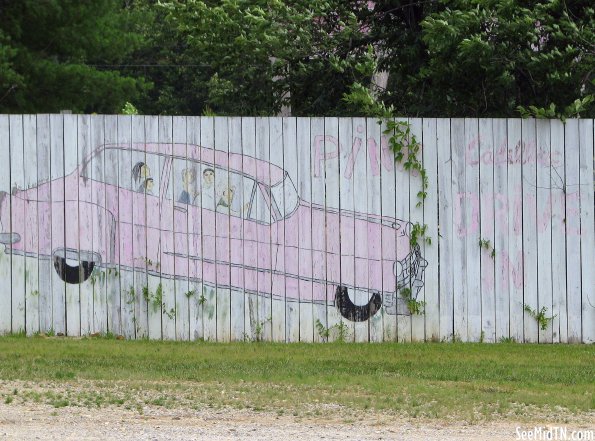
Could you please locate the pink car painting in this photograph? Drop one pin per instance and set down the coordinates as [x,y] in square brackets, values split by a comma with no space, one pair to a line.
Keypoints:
[227,220]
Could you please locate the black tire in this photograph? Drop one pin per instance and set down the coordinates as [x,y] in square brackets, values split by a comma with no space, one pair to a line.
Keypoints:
[353,312]
[73,274]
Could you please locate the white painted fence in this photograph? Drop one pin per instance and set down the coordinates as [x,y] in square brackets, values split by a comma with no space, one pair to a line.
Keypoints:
[295,229]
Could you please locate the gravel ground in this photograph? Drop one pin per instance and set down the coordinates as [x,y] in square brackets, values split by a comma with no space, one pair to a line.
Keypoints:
[32,421]
[45,416]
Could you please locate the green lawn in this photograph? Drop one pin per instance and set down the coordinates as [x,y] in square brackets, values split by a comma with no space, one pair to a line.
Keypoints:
[427,380]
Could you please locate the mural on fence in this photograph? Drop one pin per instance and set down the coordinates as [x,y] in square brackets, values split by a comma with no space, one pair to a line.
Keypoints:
[223,202]
[295,229]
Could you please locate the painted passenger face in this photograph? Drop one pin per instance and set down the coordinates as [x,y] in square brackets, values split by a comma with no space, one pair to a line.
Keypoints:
[208,177]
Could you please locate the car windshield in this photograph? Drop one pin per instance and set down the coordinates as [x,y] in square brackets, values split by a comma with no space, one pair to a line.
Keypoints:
[285,196]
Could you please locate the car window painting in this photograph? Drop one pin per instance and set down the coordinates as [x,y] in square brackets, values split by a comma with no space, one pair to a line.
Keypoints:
[100,167]
[211,188]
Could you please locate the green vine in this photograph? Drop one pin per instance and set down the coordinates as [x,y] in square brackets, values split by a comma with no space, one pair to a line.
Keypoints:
[415,307]
[487,245]
[406,148]
[540,316]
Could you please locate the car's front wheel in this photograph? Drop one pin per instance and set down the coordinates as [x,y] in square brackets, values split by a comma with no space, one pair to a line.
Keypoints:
[74,266]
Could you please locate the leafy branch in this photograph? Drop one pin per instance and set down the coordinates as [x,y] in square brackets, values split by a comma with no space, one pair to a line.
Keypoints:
[540,316]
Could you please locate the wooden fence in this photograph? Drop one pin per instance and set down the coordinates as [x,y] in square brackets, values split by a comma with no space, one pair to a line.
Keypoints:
[295,229]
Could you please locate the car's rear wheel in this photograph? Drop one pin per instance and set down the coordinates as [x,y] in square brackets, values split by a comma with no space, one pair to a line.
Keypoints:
[353,312]
[73,266]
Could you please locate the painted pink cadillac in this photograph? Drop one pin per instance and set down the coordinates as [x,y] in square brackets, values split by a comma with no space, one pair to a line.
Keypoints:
[228,220]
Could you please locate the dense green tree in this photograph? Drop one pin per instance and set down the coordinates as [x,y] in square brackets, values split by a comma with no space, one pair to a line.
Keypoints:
[59,54]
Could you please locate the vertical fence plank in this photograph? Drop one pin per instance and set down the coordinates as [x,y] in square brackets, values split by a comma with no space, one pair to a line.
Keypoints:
[485,165]
[573,231]
[460,228]
[180,182]
[17,179]
[501,208]
[374,208]
[348,218]
[244,193]
[359,160]
[472,232]
[71,223]
[332,223]
[544,225]
[139,221]
[110,175]
[32,242]
[5,225]
[126,227]
[222,230]
[558,266]
[318,230]
[291,231]
[417,217]
[84,175]
[166,259]
[513,262]
[57,208]
[446,232]
[153,291]
[431,219]
[250,242]
[402,202]
[196,285]
[44,223]
[305,268]
[277,238]
[587,204]
[529,174]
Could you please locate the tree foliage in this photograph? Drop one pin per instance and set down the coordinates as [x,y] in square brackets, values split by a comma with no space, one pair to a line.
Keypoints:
[49,51]
[252,57]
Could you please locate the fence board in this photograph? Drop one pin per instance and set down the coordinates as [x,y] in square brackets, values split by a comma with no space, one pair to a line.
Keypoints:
[544,225]
[402,186]
[333,222]
[291,237]
[57,198]
[486,225]
[573,229]
[5,223]
[304,187]
[318,233]
[445,229]
[558,221]
[529,195]
[587,238]
[501,206]
[238,294]
[44,219]
[460,226]
[430,251]
[514,260]
[17,177]
[374,235]
[196,287]
[222,229]
[71,224]
[360,197]
[278,311]
[126,243]
[472,231]
[31,261]
[417,217]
